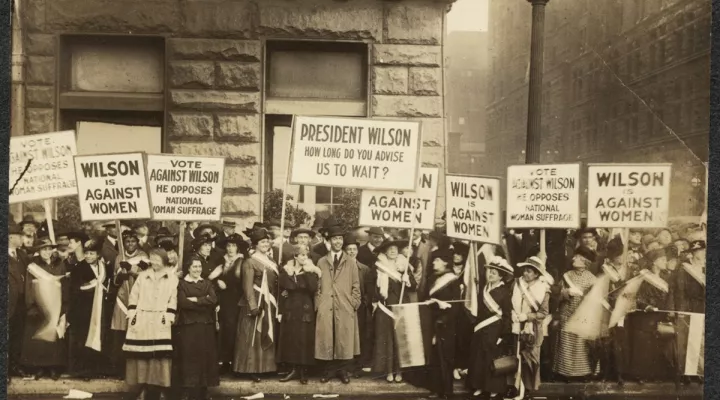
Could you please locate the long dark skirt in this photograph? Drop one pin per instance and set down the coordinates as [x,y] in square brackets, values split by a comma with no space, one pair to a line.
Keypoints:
[87,362]
[484,351]
[651,358]
[198,355]
[366,327]
[297,343]
[228,318]
[39,353]
[385,352]
[253,357]
[463,340]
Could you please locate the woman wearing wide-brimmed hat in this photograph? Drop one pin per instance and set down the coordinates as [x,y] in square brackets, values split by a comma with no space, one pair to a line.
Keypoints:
[257,326]
[228,289]
[393,272]
[46,302]
[490,333]
[572,353]
[531,304]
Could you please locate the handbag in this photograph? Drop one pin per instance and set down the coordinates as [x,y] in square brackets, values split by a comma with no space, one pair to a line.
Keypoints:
[665,330]
[504,365]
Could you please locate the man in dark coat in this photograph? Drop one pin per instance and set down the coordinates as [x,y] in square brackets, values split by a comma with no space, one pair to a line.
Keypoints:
[366,253]
[304,236]
[110,249]
[17,267]
[228,229]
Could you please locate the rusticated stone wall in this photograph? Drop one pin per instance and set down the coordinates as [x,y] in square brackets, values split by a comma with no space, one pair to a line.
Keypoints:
[215,70]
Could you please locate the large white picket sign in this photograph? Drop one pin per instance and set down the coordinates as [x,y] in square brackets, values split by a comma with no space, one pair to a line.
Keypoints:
[185,188]
[355,153]
[543,196]
[112,186]
[629,195]
[397,209]
[473,208]
[50,172]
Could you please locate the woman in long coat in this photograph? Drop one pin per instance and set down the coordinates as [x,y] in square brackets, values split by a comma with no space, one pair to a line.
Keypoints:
[151,313]
[494,324]
[572,353]
[392,274]
[255,349]
[90,312]
[45,283]
[196,332]
[229,289]
[299,278]
[531,304]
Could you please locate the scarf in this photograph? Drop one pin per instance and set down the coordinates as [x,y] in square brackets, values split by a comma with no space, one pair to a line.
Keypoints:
[696,272]
[491,305]
[94,340]
[442,281]
[387,269]
[655,280]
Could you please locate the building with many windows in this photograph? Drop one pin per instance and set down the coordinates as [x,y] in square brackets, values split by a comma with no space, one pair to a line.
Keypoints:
[625,81]
[224,77]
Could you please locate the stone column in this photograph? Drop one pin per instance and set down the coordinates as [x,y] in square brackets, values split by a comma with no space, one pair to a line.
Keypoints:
[532,152]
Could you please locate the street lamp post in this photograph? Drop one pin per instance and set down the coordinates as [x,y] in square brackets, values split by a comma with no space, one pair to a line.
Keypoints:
[532,153]
[532,143]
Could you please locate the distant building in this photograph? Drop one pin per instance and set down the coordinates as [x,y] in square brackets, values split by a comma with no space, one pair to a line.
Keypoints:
[466,74]
[625,81]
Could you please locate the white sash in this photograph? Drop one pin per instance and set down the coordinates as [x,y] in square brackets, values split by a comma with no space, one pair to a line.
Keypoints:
[571,285]
[655,280]
[47,291]
[386,310]
[392,273]
[270,302]
[492,305]
[94,330]
[611,272]
[695,272]
[528,296]
[265,261]
[442,282]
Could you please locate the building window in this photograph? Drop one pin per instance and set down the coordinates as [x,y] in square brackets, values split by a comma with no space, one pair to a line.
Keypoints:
[316,78]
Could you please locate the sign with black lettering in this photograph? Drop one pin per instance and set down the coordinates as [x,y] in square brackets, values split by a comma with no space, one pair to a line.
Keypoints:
[629,195]
[355,153]
[41,166]
[185,187]
[112,186]
[398,209]
[543,196]
[473,208]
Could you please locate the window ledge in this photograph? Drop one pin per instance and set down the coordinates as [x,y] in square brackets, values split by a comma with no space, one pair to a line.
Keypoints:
[310,107]
[112,101]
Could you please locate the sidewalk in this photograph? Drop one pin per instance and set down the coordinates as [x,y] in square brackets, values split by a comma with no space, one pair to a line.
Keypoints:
[358,387]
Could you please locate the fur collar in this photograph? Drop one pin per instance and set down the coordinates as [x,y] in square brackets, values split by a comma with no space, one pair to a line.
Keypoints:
[309,267]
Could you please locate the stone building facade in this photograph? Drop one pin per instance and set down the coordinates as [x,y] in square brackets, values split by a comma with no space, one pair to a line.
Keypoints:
[625,81]
[217,75]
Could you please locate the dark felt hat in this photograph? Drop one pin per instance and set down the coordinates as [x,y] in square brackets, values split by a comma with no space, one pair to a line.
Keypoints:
[614,248]
[77,235]
[334,231]
[129,234]
[93,245]
[200,240]
[350,239]
[236,239]
[586,253]
[461,248]
[388,243]
[375,230]
[258,234]
[445,254]
[197,231]
[256,225]
[43,243]
[299,231]
[29,219]
[164,233]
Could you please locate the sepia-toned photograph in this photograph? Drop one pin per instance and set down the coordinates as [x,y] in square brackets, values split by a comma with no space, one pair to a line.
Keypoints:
[358,199]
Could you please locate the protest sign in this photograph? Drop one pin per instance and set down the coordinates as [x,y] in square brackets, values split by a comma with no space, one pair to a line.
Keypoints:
[355,153]
[185,187]
[543,196]
[112,186]
[473,208]
[629,195]
[41,166]
[397,209]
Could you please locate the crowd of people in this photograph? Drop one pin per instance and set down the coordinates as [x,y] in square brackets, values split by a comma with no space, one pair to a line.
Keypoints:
[318,303]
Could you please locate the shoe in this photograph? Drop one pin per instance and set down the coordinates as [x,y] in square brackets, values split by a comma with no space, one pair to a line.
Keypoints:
[390,378]
[40,374]
[325,379]
[367,370]
[255,378]
[292,375]
[344,378]
[303,376]
[54,374]
[398,378]
[456,374]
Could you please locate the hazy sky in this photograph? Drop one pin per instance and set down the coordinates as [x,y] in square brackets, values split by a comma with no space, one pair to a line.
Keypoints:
[468,15]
